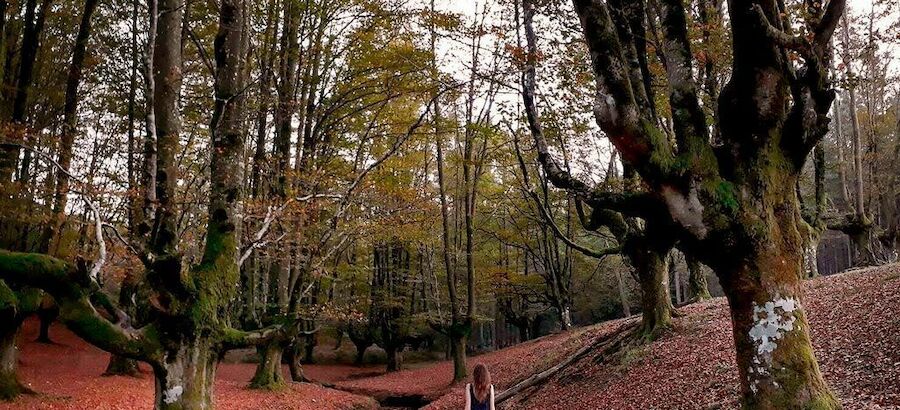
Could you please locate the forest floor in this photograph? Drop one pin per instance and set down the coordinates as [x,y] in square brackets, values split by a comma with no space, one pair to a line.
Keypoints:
[855,331]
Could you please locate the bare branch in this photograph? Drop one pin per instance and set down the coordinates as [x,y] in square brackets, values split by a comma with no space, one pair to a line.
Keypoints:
[548,219]
[796,43]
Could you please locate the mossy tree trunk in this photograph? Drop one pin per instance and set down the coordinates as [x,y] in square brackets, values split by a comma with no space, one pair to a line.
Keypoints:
[268,371]
[184,381]
[697,283]
[10,387]
[733,205]
[776,363]
[648,254]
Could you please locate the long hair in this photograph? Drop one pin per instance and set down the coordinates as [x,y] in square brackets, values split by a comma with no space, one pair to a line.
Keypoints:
[481,382]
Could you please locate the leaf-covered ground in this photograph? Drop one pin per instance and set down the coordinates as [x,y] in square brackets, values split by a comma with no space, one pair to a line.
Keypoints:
[855,331]
[66,376]
[856,335]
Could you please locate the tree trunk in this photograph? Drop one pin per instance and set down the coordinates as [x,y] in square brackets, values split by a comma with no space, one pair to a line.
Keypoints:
[696,279]
[394,360]
[10,387]
[70,127]
[309,348]
[523,332]
[777,367]
[623,293]
[268,374]
[458,353]
[47,313]
[185,380]
[293,359]
[360,355]
[34,25]
[648,256]
[565,318]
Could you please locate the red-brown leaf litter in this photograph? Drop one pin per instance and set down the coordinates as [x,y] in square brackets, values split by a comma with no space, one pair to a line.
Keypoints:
[855,330]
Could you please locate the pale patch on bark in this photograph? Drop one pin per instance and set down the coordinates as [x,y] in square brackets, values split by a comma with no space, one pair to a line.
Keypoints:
[686,209]
[772,321]
[173,395]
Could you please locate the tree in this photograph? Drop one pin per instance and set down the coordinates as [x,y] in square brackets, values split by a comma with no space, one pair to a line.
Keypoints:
[734,206]
[189,331]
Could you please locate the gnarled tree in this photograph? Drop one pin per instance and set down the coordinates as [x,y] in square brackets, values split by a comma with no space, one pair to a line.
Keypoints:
[733,205]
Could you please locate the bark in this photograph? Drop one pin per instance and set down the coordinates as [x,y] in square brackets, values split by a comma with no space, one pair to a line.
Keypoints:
[10,387]
[265,85]
[649,258]
[294,366]
[128,293]
[623,293]
[458,352]
[184,381]
[290,49]
[360,354]
[47,313]
[70,126]
[268,374]
[698,285]
[34,26]
[776,362]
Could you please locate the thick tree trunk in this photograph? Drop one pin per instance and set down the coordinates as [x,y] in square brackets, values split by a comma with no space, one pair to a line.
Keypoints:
[777,367]
[699,287]
[185,380]
[70,127]
[294,366]
[268,371]
[394,360]
[458,353]
[10,387]
[648,255]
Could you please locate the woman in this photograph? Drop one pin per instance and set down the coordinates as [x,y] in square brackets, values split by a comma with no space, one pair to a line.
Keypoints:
[480,393]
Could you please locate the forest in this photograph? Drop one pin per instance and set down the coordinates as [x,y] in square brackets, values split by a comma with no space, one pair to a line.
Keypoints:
[348,204]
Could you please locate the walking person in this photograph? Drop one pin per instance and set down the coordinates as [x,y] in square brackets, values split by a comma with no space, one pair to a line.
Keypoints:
[480,393]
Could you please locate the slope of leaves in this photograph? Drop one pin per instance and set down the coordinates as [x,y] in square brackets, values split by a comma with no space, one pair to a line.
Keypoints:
[507,366]
[855,334]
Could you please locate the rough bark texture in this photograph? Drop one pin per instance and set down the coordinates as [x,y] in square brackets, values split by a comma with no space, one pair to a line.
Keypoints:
[10,387]
[184,381]
[268,372]
[697,283]
[649,257]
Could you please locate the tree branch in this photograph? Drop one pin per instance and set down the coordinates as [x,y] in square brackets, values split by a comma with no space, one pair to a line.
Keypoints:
[72,289]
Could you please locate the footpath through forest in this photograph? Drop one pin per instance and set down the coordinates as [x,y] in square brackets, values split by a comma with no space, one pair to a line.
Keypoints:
[855,330]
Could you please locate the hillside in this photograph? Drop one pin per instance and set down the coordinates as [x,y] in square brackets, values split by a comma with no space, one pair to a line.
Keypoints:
[855,332]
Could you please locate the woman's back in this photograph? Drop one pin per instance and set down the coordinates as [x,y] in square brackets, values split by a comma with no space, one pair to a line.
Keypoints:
[480,393]
[475,404]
